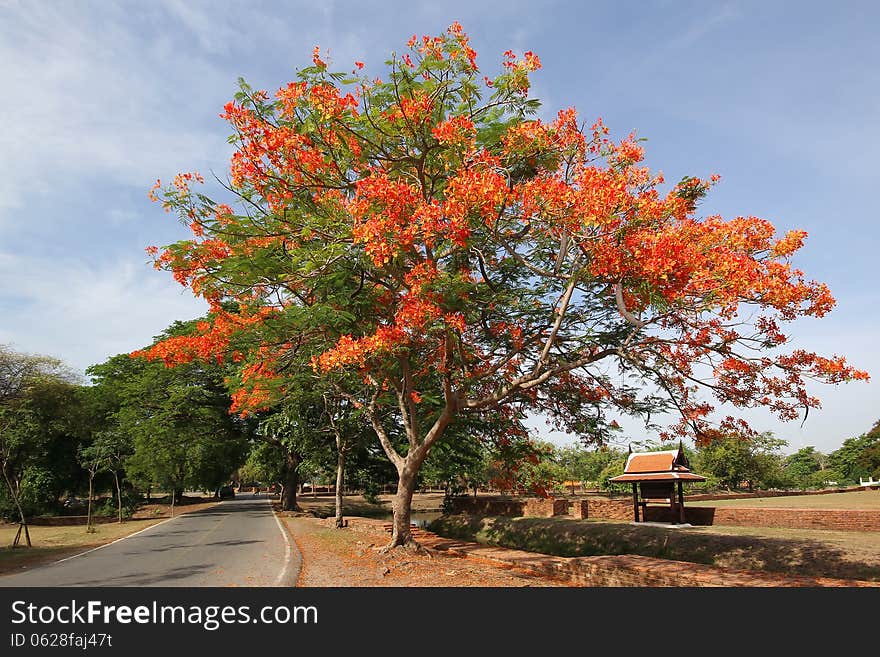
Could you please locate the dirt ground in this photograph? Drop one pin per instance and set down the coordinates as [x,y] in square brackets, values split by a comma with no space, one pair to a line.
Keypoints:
[350,557]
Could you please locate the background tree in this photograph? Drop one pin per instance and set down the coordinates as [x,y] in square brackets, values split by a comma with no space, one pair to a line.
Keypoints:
[93,459]
[457,464]
[736,460]
[36,393]
[176,420]
[118,448]
[297,431]
[850,462]
[349,432]
[586,465]
[464,258]
[265,464]
[808,468]
[869,461]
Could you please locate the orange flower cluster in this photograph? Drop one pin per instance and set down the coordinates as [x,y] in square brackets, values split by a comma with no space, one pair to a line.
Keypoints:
[394,172]
[256,391]
[355,351]
[456,131]
[210,343]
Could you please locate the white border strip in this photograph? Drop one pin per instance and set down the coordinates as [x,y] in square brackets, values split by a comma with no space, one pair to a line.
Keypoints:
[288,556]
[140,531]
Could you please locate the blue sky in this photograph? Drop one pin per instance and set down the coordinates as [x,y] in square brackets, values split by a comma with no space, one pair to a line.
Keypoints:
[102,98]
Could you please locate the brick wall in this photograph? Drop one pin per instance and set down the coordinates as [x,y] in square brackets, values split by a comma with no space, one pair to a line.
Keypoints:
[610,509]
[695,515]
[487,506]
[545,508]
[67,521]
[621,509]
[846,520]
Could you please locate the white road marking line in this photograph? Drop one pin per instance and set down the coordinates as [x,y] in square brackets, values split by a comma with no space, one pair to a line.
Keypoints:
[140,531]
[289,554]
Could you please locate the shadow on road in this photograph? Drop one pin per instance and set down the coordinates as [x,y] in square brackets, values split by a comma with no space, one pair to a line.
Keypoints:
[145,579]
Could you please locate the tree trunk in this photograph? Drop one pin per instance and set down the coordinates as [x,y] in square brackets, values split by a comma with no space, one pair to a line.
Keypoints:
[22,525]
[291,482]
[340,481]
[118,495]
[173,497]
[402,507]
[89,511]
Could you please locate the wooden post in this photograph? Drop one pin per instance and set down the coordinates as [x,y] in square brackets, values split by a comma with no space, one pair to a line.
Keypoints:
[636,501]
[680,502]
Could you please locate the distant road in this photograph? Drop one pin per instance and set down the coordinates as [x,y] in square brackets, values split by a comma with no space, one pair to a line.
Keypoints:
[236,543]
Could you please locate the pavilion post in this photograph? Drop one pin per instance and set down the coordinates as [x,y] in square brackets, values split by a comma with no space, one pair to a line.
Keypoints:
[681,502]
[635,501]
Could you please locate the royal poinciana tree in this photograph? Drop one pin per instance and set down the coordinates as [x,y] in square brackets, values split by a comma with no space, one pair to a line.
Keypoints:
[424,240]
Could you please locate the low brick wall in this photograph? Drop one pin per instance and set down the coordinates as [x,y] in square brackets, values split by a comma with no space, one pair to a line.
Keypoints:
[610,509]
[68,521]
[845,520]
[695,515]
[487,506]
[545,508]
[621,509]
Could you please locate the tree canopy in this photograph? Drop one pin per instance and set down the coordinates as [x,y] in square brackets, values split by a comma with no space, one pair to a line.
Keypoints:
[423,234]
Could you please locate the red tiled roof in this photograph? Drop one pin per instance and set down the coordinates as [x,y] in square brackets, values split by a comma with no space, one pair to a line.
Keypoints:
[650,462]
[683,475]
[656,466]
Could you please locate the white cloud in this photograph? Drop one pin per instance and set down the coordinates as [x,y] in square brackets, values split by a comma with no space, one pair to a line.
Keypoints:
[88,97]
[83,313]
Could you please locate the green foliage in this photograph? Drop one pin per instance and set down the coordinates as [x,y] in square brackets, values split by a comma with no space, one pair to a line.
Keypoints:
[613,468]
[808,468]
[171,425]
[40,433]
[857,457]
[131,500]
[736,461]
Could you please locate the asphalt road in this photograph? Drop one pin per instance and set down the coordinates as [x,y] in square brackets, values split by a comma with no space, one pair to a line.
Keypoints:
[239,542]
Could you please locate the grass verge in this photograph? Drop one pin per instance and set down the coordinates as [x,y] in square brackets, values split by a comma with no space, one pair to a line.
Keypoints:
[867,500]
[815,553]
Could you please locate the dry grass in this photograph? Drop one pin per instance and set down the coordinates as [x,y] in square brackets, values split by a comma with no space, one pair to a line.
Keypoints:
[814,553]
[869,500]
[52,543]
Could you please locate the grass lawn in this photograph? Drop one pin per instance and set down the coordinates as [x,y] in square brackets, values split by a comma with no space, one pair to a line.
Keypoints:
[868,499]
[816,553]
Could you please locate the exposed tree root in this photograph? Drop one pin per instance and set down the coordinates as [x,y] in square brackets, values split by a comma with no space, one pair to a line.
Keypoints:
[410,545]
